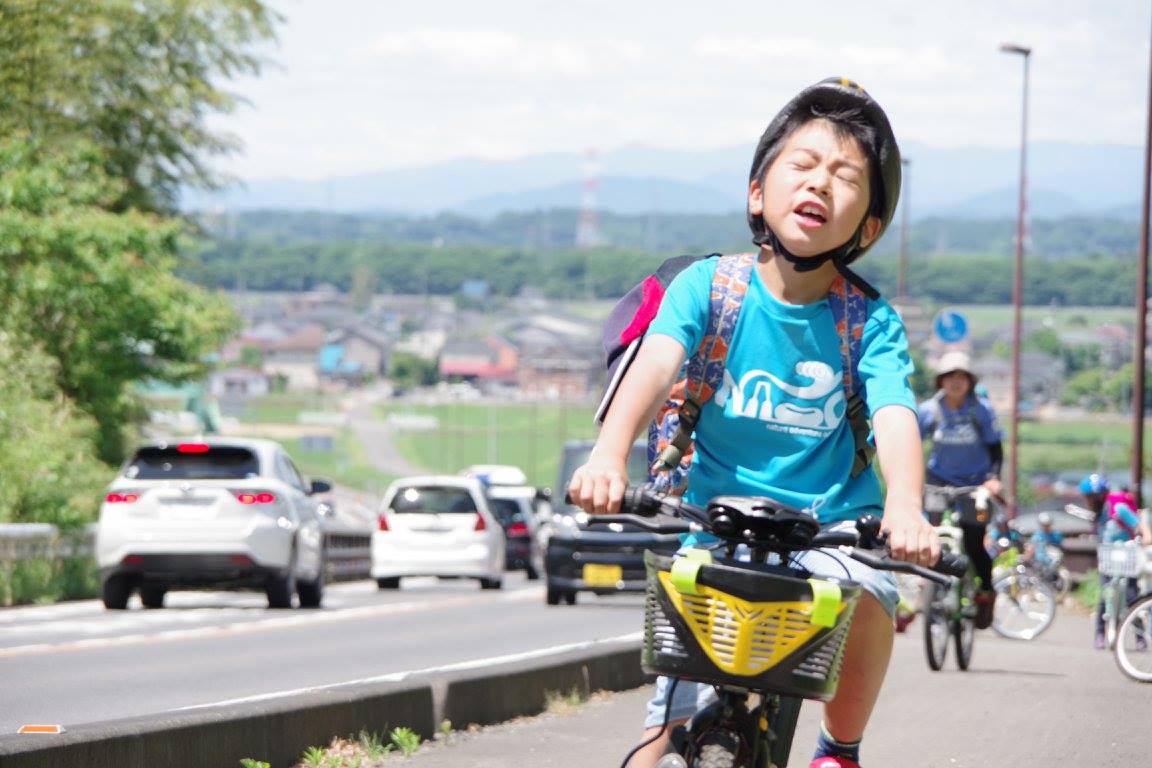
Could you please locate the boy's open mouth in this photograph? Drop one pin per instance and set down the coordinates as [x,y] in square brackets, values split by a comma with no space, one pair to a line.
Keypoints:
[811,214]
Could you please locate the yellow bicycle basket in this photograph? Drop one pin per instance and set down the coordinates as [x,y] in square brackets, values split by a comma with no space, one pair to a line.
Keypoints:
[760,629]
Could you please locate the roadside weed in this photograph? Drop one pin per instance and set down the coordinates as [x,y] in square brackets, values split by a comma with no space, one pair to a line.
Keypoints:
[249,762]
[314,757]
[373,744]
[406,739]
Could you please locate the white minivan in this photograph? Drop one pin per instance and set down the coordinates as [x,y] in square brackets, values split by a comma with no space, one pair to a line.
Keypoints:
[437,526]
[217,513]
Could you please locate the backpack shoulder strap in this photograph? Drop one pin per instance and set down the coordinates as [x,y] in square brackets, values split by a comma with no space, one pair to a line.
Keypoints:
[705,369]
[729,287]
[850,312]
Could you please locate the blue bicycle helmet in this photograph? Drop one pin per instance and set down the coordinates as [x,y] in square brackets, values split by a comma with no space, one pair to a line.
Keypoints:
[1094,483]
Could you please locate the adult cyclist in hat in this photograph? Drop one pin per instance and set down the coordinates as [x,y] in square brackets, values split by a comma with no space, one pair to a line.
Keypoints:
[966,450]
[824,183]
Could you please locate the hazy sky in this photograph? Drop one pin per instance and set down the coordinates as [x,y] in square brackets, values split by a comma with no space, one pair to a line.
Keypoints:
[364,85]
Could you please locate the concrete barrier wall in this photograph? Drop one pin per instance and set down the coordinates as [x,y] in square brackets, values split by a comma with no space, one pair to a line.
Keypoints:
[278,731]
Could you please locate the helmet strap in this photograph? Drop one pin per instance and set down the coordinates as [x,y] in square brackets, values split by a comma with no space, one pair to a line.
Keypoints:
[840,257]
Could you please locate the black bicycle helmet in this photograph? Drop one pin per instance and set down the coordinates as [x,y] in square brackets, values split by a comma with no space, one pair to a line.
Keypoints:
[830,96]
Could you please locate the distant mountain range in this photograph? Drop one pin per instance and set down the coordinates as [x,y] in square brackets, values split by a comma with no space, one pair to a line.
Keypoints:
[975,182]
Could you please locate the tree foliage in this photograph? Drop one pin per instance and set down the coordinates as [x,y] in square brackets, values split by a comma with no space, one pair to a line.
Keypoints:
[136,78]
[96,290]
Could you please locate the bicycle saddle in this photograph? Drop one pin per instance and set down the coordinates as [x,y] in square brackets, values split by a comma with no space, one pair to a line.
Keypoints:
[763,519]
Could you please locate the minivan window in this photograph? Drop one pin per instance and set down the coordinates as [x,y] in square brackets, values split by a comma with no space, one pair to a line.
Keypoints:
[218,462]
[433,500]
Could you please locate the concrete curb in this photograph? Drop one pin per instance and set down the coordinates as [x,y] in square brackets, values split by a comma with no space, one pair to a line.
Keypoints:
[279,730]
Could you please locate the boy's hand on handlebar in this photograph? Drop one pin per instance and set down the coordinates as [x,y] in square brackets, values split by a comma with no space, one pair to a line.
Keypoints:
[910,537]
[598,486]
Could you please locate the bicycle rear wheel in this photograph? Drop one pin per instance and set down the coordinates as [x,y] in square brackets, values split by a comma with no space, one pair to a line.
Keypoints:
[1025,606]
[1133,641]
[936,629]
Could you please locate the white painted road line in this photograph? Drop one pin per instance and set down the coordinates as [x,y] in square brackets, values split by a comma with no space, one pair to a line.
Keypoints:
[280,622]
[395,677]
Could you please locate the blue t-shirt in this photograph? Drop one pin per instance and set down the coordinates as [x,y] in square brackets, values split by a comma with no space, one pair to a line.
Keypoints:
[960,439]
[777,425]
[1041,541]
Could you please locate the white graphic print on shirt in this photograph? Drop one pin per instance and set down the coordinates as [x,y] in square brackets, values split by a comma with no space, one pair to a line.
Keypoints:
[814,409]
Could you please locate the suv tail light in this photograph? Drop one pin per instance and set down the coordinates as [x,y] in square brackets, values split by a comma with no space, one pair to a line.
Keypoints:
[480,524]
[383,523]
[255,497]
[193,448]
[518,529]
[125,497]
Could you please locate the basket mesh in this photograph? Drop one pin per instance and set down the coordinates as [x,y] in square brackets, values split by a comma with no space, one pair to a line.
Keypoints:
[1119,560]
[772,633]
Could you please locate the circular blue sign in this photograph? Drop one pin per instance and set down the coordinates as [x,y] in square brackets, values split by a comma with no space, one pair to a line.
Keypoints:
[950,326]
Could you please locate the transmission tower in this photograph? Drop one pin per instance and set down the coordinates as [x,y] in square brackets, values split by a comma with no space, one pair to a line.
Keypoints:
[588,227]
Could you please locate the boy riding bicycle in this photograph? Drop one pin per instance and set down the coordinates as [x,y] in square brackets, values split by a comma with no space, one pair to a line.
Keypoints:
[823,186]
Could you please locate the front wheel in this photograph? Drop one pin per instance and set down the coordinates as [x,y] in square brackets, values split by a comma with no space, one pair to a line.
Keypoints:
[1025,606]
[936,626]
[1134,641]
[152,595]
[718,749]
[964,624]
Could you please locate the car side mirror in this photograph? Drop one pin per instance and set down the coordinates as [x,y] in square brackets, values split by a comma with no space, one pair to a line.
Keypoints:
[320,486]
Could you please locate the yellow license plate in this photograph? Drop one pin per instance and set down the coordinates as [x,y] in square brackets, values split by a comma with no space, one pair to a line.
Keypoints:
[597,575]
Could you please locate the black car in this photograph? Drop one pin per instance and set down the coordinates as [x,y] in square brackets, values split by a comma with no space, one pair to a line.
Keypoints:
[602,559]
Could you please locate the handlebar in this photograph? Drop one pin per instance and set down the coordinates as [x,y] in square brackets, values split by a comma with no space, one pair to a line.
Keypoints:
[652,511]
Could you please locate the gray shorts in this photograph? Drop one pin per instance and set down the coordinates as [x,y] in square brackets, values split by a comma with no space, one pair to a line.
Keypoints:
[689,696]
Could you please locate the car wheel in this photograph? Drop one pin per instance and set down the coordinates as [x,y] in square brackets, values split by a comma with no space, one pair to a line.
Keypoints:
[392,582]
[552,596]
[152,595]
[115,592]
[491,583]
[279,589]
[311,593]
[570,598]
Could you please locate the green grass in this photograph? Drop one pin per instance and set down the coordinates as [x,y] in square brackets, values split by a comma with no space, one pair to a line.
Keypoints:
[984,318]
[1080,445]
[346,464]
[527,436]
[284,408]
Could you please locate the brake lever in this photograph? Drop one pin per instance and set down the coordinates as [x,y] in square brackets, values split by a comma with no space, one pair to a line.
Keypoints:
[647,523]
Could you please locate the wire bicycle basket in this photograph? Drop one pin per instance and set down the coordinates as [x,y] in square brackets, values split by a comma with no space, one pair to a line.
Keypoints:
[763,630]
[1120,560]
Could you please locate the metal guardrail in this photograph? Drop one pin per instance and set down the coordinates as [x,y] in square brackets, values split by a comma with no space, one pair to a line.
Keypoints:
[347,553]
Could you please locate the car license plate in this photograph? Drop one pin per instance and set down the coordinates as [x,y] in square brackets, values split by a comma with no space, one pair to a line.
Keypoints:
[597,575]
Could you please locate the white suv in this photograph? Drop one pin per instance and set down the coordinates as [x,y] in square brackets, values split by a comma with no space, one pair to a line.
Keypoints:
[230,513]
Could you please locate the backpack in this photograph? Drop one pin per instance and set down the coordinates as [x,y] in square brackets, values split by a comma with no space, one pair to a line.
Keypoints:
[670,433]
[936,407]
[1112,515]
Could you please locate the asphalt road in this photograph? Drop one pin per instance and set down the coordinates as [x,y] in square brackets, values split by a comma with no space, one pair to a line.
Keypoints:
[76,663]
[1052,701]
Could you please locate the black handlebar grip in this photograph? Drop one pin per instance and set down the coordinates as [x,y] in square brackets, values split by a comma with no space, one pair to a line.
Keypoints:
[952,564]
[639,500]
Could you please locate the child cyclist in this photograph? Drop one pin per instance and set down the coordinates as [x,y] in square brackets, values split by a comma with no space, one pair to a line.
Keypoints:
[823,186]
